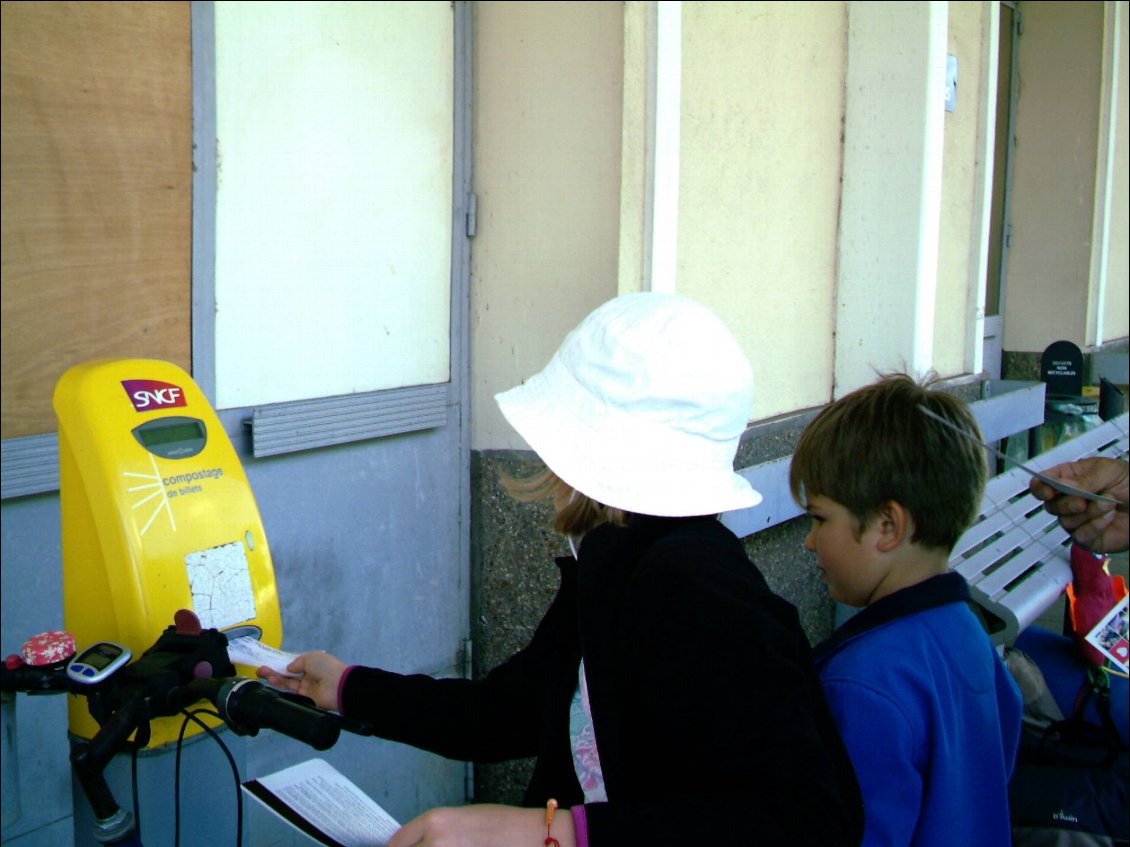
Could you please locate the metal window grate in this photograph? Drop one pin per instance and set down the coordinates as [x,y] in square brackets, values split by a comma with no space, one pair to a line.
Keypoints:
[305,425]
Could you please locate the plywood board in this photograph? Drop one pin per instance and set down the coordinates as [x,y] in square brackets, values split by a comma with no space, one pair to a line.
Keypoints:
[97,193]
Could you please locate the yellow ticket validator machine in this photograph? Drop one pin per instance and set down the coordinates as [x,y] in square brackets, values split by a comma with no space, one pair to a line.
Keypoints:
[157,516]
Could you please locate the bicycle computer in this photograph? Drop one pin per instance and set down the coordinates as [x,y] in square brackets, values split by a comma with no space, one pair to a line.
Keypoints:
[94,664]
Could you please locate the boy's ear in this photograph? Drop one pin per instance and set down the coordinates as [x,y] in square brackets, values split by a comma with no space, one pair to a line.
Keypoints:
[895,525]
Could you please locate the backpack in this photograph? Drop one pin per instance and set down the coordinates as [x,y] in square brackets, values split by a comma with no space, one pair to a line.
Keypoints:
[1070,786]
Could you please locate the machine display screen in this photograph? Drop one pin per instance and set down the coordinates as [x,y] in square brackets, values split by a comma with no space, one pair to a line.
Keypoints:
[101,656]
[172,438]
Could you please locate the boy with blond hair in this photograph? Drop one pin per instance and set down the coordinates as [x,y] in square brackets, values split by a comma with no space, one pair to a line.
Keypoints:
[929,714]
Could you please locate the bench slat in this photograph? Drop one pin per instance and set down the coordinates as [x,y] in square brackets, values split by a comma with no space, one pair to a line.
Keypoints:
[1015,556]
[1027,601]
[1003,532]
[1013,512]
[1018,553]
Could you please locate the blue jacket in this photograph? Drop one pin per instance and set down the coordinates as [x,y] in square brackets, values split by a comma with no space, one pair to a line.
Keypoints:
[930,716]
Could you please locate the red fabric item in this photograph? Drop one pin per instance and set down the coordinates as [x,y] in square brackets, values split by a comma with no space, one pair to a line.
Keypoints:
[1091,595]
[55,645]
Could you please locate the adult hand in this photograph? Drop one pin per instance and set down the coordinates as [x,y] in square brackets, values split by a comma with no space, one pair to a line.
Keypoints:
[1101,527]
[319,678]
[484,826]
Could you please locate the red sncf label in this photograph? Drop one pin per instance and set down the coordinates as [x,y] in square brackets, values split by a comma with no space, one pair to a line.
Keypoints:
[149,394]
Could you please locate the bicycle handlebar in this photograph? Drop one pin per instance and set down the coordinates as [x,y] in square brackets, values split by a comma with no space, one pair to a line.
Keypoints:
[184,667]
[187,664]
[248,705]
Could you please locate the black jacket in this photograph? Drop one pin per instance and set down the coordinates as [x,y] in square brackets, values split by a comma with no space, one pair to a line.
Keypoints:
[710,720]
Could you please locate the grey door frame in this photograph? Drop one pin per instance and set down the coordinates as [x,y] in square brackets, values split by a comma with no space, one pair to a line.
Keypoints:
[993,337]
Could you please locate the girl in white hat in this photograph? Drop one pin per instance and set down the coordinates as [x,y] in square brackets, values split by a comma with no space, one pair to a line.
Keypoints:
[668,695]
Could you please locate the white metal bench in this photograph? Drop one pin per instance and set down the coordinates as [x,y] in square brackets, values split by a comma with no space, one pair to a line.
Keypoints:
[1016,556]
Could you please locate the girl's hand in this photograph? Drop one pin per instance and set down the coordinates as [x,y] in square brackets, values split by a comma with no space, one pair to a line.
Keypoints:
[319,678]
[484,826]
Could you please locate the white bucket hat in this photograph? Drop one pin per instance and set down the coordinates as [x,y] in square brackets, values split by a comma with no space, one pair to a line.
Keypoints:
[642,407]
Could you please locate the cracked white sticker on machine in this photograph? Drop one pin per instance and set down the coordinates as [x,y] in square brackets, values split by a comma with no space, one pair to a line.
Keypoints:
[220,579]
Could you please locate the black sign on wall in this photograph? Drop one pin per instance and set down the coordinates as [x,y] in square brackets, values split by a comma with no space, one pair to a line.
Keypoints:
[1061,369]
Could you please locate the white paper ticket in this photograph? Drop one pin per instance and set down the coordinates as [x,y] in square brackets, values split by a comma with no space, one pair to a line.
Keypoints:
[253,652]
[1057,484]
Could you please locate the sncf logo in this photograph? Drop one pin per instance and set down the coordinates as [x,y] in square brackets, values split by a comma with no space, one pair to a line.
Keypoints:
[149,394]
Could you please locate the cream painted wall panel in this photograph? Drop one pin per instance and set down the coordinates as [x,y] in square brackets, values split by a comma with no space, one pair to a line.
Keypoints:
[759,193]
[890,214]
[634,144]
[958,293]
[547,173]
[333,220]
[1046,291]
[1116,317]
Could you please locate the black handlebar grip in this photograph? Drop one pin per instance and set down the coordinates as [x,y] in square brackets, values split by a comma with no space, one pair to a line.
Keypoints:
[15,676]
[248,705]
